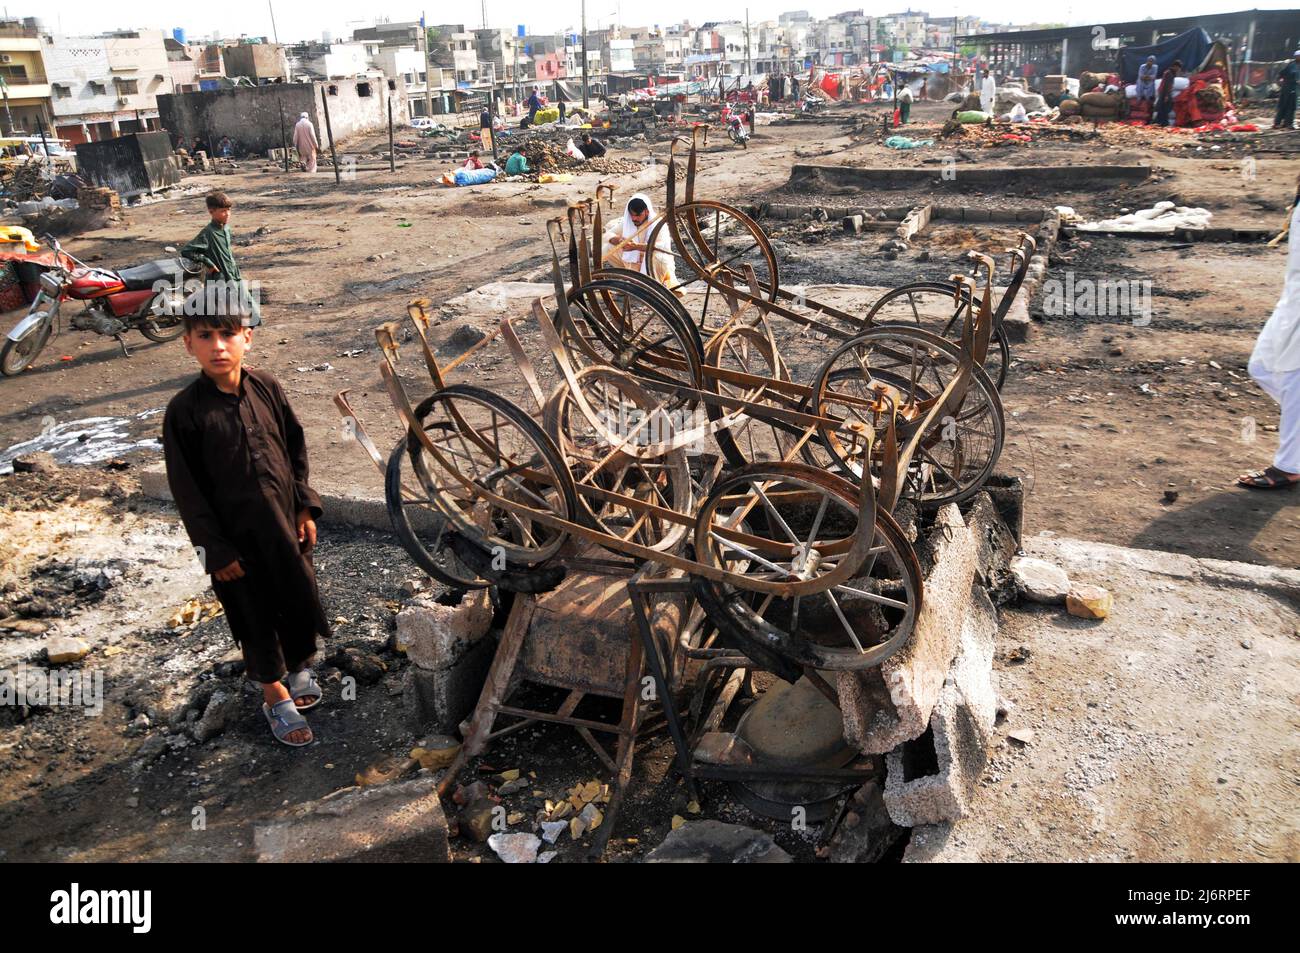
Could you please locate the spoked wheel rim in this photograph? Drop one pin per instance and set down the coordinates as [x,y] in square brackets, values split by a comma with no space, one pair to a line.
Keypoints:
[483,444]
[932,308]
[713,242]
[911,368]
[625,326]
[750,350]
[789,522]
[423,536]
[609,455]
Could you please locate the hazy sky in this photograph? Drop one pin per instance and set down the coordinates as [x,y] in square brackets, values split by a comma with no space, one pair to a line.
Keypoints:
[307,19]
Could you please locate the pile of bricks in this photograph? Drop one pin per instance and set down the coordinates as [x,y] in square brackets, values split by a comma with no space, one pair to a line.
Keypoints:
[94,198]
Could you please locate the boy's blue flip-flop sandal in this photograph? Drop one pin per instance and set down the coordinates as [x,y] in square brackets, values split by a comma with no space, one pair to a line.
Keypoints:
[285,719]
[298,688]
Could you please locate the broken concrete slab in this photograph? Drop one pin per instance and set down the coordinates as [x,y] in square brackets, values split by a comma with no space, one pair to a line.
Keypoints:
[1133,730]
[931,779]
[713,842]
[435,635]
[886,706]
[386,823]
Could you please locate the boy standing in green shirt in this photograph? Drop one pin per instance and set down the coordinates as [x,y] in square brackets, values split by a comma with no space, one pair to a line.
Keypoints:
[212,248]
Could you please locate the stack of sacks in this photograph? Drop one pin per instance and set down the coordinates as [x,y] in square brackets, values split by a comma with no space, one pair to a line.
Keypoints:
[1090,81]
[1069,107]
[1098,105]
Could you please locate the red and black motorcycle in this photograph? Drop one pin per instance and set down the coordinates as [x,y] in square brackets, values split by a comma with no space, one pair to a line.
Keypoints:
[148,298]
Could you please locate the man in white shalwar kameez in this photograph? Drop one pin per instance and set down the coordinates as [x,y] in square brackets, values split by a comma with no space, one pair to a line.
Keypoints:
[988,94]
[304,140]
[634,229]
[1275,365]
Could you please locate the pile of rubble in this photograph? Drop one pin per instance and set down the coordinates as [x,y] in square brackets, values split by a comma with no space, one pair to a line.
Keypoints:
[35,179]
[544,156]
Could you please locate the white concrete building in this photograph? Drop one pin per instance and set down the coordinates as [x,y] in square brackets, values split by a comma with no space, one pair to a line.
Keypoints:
[104,86]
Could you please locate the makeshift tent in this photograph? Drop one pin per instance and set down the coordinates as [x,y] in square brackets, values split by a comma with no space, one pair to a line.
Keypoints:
[1190,47]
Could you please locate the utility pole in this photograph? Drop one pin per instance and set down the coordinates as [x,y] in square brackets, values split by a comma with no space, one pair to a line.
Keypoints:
[749,67]
[274,33]
[585,104]
[428,69]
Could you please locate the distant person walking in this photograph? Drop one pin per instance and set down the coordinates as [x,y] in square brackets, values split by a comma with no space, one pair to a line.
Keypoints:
[1286,97]
[904,103]
[988,93]
[304,140]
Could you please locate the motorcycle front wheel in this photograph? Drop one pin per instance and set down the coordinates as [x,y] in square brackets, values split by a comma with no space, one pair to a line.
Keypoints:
[17,356]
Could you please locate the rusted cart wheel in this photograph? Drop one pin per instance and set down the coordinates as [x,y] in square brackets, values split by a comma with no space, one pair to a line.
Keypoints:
[790,523]
[742,349]
[619,322]
[931,306]
[481,444]
[910,369]
[420,527]
[713,243]
[625,488]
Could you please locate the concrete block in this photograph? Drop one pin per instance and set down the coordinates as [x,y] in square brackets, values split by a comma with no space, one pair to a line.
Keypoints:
[435,636]
[852,224]
[384,823]
[976,215]
[897,211]
[440,700]
[885,706]
[950,213]
[1016,323]
[1029,215]
[930,780]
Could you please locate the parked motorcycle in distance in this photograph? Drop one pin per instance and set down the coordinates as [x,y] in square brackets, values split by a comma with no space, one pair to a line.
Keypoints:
[148,298]
[811,104]
[737,131]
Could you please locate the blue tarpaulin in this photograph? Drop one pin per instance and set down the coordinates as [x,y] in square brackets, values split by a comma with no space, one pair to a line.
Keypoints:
[1189,47]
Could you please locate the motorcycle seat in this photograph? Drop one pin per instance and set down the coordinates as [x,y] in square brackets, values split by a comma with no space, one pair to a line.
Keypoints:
[142,277]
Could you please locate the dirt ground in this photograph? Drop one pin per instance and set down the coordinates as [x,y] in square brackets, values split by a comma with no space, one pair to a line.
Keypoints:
[1104,417]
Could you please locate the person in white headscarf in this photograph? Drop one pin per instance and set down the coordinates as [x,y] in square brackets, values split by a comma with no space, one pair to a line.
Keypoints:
[1275,366]
[304,140]
[626,241]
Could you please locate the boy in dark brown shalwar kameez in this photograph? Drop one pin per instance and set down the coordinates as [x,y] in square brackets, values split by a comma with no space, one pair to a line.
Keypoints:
[237,467]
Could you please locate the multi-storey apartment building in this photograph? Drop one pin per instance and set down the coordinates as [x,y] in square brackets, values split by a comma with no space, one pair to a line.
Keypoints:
[103,86]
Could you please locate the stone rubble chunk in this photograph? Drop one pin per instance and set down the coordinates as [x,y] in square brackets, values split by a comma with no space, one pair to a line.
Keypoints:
[1089,602]
[516,848]
[713,842]
[61,649]
[1040,581]
[390,823]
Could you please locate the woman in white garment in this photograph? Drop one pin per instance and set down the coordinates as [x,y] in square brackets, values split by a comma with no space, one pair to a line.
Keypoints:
[626,241]
[1275,365]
